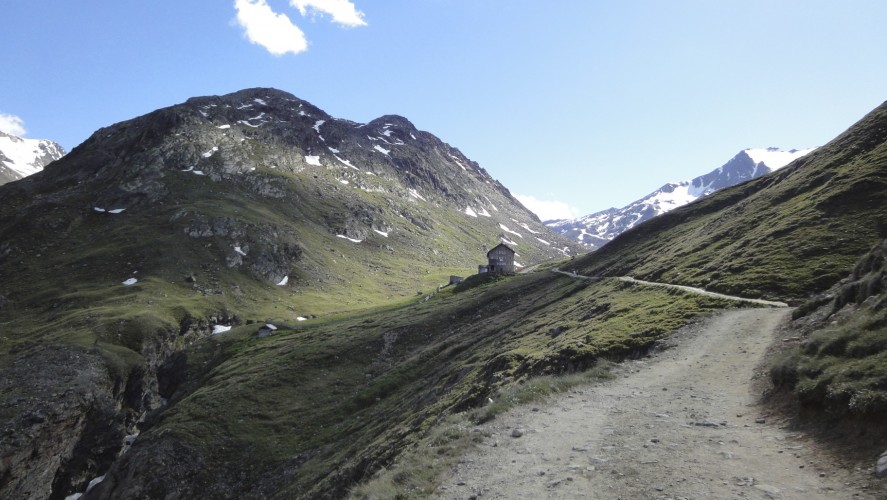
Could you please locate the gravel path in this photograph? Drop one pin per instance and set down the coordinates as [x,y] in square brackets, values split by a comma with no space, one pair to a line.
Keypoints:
[681,424]
[701,291]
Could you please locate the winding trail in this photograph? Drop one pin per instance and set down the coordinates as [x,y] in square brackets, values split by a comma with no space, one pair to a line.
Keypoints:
[684,423]
[700,291]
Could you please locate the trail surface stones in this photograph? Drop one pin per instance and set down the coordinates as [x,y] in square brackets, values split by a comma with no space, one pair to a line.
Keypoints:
[629,438]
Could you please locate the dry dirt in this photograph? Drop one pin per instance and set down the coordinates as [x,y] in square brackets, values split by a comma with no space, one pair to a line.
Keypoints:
[684,423]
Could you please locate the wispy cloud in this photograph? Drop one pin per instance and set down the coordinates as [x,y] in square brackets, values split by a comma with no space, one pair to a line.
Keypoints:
[548,209]
[12,124]
[276,31]
[342,11]
[262,26]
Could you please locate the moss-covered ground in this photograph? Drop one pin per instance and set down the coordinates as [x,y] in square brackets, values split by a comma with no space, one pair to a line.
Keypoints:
[348,394]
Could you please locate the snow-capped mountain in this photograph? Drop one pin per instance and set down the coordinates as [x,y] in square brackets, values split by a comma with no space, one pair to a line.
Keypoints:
[597,229]
[21,157]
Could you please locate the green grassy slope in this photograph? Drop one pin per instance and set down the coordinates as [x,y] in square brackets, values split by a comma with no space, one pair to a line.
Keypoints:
[786,235]
[840,365]
[312,410]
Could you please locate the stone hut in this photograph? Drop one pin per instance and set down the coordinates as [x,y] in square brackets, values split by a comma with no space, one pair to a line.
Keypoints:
[499,260]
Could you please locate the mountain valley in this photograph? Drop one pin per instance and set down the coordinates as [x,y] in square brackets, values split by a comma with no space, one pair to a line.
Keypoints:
[241,296]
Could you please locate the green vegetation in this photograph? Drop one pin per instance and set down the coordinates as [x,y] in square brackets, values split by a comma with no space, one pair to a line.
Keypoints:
[347,395]
[842,366]
[786,235]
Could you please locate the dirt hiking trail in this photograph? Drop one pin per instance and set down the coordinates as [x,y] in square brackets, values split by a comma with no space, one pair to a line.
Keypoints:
[684,423]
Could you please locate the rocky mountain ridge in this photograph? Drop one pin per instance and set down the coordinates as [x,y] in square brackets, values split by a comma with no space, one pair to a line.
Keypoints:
[597,229]
[21,157]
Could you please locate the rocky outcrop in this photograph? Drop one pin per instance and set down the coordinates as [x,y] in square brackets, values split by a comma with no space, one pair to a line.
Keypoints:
[64,422]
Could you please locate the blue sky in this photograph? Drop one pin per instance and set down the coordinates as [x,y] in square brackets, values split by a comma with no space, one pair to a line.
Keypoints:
[586,104]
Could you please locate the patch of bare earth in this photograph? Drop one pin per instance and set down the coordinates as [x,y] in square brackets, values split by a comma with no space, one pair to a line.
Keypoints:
[684,423]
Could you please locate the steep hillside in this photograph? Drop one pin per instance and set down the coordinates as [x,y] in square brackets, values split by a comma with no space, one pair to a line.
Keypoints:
[788,234]
[307,412]
[21,157]
[599,228]
[840,362]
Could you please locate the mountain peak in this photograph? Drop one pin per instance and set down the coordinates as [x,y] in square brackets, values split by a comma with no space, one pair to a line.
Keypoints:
[597,229]
[20,157]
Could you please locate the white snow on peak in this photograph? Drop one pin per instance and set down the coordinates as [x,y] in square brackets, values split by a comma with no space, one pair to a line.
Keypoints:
[224,127]
[543,241]
[333,150]
[415,194]
[483,211]
[210,152]
[284,281]
[343,181]
[116,211]
[301,318]
[352,240]
[505,228]
[197,172]
[413,136]
[99,209]
[270,326]
[317,125]
[775,158]
[221,329]
[23,154]
[383,233]
[683,193]
[313,160]
[469,211]
[508,242]
[381,149]
[240,251]
[130,281]
[260,101]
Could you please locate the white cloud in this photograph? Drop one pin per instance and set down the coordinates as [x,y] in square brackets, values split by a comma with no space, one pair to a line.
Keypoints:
[262,26]
[342,11]
[12,125]
[548,210]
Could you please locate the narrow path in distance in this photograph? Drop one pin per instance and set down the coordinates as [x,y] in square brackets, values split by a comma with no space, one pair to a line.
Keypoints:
[629,279]
[682,424]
